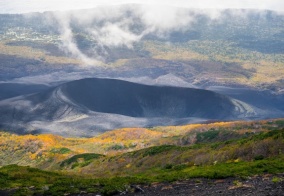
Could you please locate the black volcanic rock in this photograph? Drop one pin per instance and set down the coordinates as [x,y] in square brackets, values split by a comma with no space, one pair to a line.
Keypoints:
[137,100]
[88,106]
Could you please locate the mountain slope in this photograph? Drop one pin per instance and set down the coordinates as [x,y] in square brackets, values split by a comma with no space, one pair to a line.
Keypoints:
[130,99]
[47,151]
[95,104]
[118,160]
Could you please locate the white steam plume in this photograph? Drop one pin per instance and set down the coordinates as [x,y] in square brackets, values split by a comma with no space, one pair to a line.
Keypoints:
[68,43]
[120,26]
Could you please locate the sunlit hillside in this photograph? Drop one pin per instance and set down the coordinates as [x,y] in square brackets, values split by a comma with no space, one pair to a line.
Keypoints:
[47,151]
[117,160]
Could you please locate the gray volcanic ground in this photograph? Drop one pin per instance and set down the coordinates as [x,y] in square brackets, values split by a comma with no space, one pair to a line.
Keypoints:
[87,107]
[186,66]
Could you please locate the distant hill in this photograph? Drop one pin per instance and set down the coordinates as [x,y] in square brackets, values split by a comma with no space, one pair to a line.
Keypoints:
[232,47]
[88,106]
[136,100]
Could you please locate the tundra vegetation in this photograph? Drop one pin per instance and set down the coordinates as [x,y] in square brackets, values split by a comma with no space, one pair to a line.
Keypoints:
[116,160]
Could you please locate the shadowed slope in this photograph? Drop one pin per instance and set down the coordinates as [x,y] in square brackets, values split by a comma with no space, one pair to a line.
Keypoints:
[88,106]
[136,100]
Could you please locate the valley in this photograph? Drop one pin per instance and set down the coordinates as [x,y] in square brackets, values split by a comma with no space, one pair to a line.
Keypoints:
[210,54]
[140,99]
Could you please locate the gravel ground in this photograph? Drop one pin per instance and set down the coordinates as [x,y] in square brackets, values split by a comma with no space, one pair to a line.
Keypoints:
[267,185]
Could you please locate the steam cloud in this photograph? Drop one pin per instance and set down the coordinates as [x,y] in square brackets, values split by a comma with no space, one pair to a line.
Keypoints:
[118,26]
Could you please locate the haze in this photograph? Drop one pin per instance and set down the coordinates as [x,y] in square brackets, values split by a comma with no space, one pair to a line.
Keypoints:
[20,6]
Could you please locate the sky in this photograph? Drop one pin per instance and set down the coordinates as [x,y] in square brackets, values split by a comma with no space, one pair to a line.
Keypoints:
[25,6]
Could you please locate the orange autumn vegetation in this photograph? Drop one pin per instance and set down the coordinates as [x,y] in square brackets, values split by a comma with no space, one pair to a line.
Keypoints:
[35,150]
[128,134]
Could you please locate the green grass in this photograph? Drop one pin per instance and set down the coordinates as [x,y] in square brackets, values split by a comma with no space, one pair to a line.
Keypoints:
[52,183]
[218,171]
[60,150]
[160,149]
[280,123]
[86,160]
[276,179]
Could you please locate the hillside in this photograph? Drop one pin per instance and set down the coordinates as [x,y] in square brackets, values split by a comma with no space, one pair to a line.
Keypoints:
[229,48]
[141,98]
[89,106]
[231,59]
[46,151]
[130,160]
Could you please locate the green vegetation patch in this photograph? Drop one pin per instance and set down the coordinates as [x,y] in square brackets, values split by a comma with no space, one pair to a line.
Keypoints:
[214,135]
[241,169]
[31,181]
[160,149]
[280,123]
[117,147]
[60,150]
[80,160]
[207,136]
